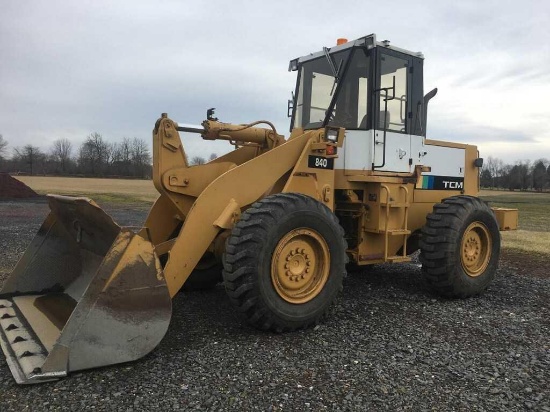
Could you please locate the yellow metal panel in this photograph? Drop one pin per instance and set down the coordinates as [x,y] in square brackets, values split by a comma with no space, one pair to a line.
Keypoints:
[445,144]
[163,218]
[507,218]
[471,172]
[317,183]
[193,180]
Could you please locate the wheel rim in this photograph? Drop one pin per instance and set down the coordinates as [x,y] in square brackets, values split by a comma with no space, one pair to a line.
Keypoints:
[476,249]
[300,265]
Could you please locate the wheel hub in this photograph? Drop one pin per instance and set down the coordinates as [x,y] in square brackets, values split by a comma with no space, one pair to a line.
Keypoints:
[300,265]
[476,249]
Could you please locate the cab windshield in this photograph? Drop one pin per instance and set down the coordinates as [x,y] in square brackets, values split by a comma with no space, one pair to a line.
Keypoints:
[323,99]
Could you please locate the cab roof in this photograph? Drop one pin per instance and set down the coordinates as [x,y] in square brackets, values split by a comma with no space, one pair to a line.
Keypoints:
[365,41]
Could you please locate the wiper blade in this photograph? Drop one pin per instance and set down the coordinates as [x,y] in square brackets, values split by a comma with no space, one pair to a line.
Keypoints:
[335,71]
[330,62]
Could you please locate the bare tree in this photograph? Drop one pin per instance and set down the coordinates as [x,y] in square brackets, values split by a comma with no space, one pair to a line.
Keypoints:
[115,159]
[213,156]
[61,152]
[526,176]
[140,156]
[494,166]
[197,160]
[126,153]
[121,157]
[3,146]
[29,155]
[94,154]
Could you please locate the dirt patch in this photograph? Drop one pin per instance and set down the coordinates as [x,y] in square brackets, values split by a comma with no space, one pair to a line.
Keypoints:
[530,264]
[11,188]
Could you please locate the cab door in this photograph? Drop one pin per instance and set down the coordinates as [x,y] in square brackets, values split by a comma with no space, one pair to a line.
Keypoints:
[392,107]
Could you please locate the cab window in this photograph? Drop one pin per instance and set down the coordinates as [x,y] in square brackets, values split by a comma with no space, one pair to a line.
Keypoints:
[394,118]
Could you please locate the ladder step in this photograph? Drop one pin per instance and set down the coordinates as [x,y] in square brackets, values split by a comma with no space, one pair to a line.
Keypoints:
[399,232]
[395,204]
[391,232]
[397,259]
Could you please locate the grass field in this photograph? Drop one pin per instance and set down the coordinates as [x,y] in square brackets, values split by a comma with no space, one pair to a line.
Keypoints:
[528,247]
[113,190]
[532,240]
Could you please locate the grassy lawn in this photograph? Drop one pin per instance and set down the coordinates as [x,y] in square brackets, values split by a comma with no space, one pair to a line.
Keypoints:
[534,208]
[528,247]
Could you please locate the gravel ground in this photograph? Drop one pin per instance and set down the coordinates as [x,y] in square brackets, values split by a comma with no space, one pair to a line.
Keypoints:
[388,345]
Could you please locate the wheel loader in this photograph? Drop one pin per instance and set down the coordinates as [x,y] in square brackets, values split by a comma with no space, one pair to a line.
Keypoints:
[357,182]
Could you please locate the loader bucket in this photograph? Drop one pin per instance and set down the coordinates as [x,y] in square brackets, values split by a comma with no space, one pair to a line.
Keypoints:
[86,293]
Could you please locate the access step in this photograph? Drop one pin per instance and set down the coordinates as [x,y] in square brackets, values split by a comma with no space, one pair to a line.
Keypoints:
[391,232]
[395,204]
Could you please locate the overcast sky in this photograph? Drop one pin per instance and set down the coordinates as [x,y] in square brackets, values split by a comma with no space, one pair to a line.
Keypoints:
[69,68]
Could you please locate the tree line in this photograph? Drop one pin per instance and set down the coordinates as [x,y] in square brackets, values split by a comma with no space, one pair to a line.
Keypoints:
[94,157]
[131,157]
[523,175]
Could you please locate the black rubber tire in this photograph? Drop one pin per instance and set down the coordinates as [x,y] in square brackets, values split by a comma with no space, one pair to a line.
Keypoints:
[206,275]
[248,255]
[441,244]
[204,279]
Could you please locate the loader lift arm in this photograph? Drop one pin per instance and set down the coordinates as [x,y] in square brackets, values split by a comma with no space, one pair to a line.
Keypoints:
[209,198]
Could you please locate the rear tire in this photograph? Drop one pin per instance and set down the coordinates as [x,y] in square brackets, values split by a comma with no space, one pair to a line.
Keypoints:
[460,247]
[284,262]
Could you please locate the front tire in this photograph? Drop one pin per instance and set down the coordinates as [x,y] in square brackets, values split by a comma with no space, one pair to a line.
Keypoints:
[460,247]
[284,262]
[203,279]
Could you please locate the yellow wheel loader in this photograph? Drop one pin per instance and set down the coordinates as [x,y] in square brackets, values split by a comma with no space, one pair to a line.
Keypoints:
[357,180]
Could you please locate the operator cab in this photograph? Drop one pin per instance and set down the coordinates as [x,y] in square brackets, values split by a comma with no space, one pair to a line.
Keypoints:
[372,89]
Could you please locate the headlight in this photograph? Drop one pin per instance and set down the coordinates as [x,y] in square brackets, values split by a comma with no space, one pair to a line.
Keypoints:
[332,135]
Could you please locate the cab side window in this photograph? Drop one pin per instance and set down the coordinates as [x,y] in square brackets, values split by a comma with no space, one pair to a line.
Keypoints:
[394,118]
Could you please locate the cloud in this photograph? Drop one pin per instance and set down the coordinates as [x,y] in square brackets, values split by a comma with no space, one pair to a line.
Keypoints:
[71,68]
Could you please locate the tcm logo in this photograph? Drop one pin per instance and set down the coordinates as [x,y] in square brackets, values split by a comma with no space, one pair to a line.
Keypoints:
[453,185]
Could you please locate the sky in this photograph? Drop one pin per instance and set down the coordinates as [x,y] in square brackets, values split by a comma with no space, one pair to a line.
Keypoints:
[68,69]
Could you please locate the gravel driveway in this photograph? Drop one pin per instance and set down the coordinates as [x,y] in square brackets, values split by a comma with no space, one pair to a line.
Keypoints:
[388,345]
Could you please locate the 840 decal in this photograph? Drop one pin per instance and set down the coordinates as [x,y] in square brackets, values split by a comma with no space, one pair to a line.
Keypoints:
[320,162]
